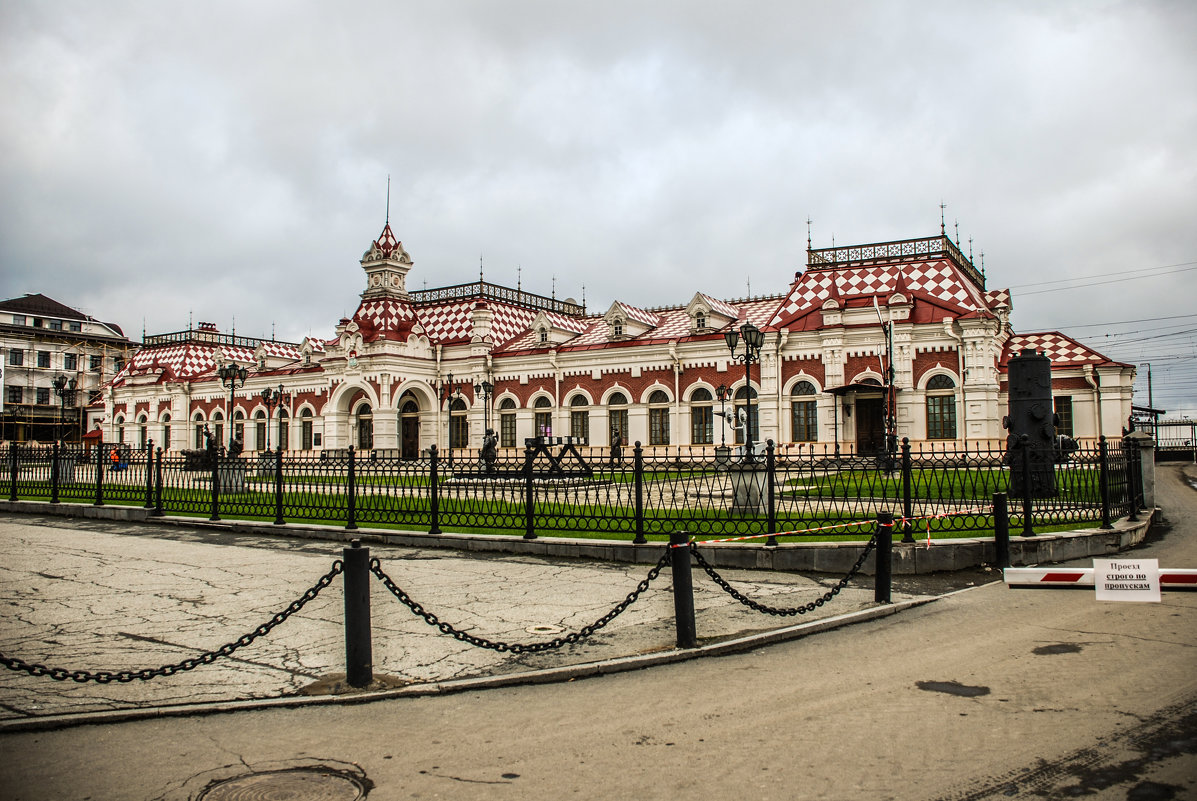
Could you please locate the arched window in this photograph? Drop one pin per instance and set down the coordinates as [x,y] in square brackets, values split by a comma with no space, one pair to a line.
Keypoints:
[579,418]
[284,429]
[617,327]
[198,424]
[459,424]
[941,407]
[543,420]
[143,432]
[617,415]
[239,425]
[305,428]
[700,321]
[658,418]
[543,335]
[119,423]
[702,417]
[365,427]
[218,427]
[260,434]
[804,412]
[166,432]
[507,423]
[744,402]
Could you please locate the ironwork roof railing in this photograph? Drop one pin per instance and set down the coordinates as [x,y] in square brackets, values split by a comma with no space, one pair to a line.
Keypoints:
[502,294]
[897,251]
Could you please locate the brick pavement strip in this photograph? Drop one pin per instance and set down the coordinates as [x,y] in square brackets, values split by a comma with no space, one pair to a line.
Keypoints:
[94,595]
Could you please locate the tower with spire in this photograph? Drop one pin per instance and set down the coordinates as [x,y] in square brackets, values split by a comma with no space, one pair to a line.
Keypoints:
[386,264]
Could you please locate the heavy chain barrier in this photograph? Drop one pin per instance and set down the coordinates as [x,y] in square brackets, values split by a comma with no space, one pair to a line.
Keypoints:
[798,610]
[124,676]
[519,648]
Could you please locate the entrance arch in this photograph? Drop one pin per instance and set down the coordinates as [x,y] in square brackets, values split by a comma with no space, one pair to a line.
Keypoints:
[409,426]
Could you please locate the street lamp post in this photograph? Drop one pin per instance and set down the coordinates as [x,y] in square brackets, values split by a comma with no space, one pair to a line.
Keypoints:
[231,377]
[486,388]
[272,398]
[754,339]
[723,393]
[65,389]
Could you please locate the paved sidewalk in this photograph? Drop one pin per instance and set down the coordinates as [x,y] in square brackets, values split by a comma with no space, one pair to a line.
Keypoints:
[99,595]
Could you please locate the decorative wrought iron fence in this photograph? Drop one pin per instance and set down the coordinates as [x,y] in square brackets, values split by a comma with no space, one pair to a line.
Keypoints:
[643,493]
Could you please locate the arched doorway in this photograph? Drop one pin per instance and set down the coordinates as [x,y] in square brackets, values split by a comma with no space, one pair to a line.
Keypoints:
[364,419]
[409,427]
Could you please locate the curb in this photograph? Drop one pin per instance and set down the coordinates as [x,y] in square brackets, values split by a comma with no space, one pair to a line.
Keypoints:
[545,676]
[959,553]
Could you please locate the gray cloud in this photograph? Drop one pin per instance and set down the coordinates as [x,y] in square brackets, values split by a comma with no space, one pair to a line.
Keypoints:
[230,160]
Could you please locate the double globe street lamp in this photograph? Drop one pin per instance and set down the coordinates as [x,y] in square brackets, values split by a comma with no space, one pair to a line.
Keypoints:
[232,377]
[270,399]
[754,340]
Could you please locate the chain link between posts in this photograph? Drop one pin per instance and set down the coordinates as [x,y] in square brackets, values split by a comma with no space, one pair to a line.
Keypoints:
[519,648]
[123,676]
[788,612]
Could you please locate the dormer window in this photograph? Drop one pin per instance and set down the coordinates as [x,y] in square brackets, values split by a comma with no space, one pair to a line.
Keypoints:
[617,328]
[700,321]
[544,335]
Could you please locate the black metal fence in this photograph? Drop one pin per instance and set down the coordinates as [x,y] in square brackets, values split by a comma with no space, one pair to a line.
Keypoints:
[647,493]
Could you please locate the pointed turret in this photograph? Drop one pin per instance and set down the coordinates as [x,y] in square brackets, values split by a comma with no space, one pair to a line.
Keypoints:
[386,264]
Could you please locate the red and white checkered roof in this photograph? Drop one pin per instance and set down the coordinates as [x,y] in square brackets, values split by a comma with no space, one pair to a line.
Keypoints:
[385,315]
[719,306]
[1062,350]
[937,279]
[644,316]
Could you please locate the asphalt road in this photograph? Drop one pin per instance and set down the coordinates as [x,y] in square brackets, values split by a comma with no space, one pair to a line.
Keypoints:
[988,693]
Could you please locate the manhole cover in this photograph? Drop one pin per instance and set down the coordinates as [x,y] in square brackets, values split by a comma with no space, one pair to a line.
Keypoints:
[310,784]
[544,629]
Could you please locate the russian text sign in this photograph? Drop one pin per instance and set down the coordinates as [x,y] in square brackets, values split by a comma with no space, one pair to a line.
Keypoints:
[1127,579]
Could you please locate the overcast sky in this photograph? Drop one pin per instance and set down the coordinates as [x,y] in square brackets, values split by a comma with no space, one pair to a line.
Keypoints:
[162,162]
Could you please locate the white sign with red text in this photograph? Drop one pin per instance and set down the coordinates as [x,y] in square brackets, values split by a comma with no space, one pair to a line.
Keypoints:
[1127,579]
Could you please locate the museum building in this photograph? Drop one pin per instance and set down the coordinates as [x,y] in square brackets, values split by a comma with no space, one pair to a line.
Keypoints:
[440,366]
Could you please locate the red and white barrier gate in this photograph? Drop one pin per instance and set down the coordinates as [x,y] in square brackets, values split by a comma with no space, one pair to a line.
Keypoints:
[1170,578]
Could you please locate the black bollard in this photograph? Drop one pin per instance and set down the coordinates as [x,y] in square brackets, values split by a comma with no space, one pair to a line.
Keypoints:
[359,657]
[158,510]
[529,495]
[54,473]
[352,524]
[885,553]
[1001,530]
[100,474]
[683,589]
[278,487]
[149,474]
[1103,456]
[907,503]
[638,479]
[13,470]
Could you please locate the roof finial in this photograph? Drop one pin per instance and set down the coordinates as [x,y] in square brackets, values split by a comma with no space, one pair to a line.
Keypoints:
[808,222]
[749,280]
[479,269]
[970,248]
[143,329]
[982,264]
[554,287]
[957,233]
[519,274]
[942,227]
[388,222]
[234,325]
[583,299]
